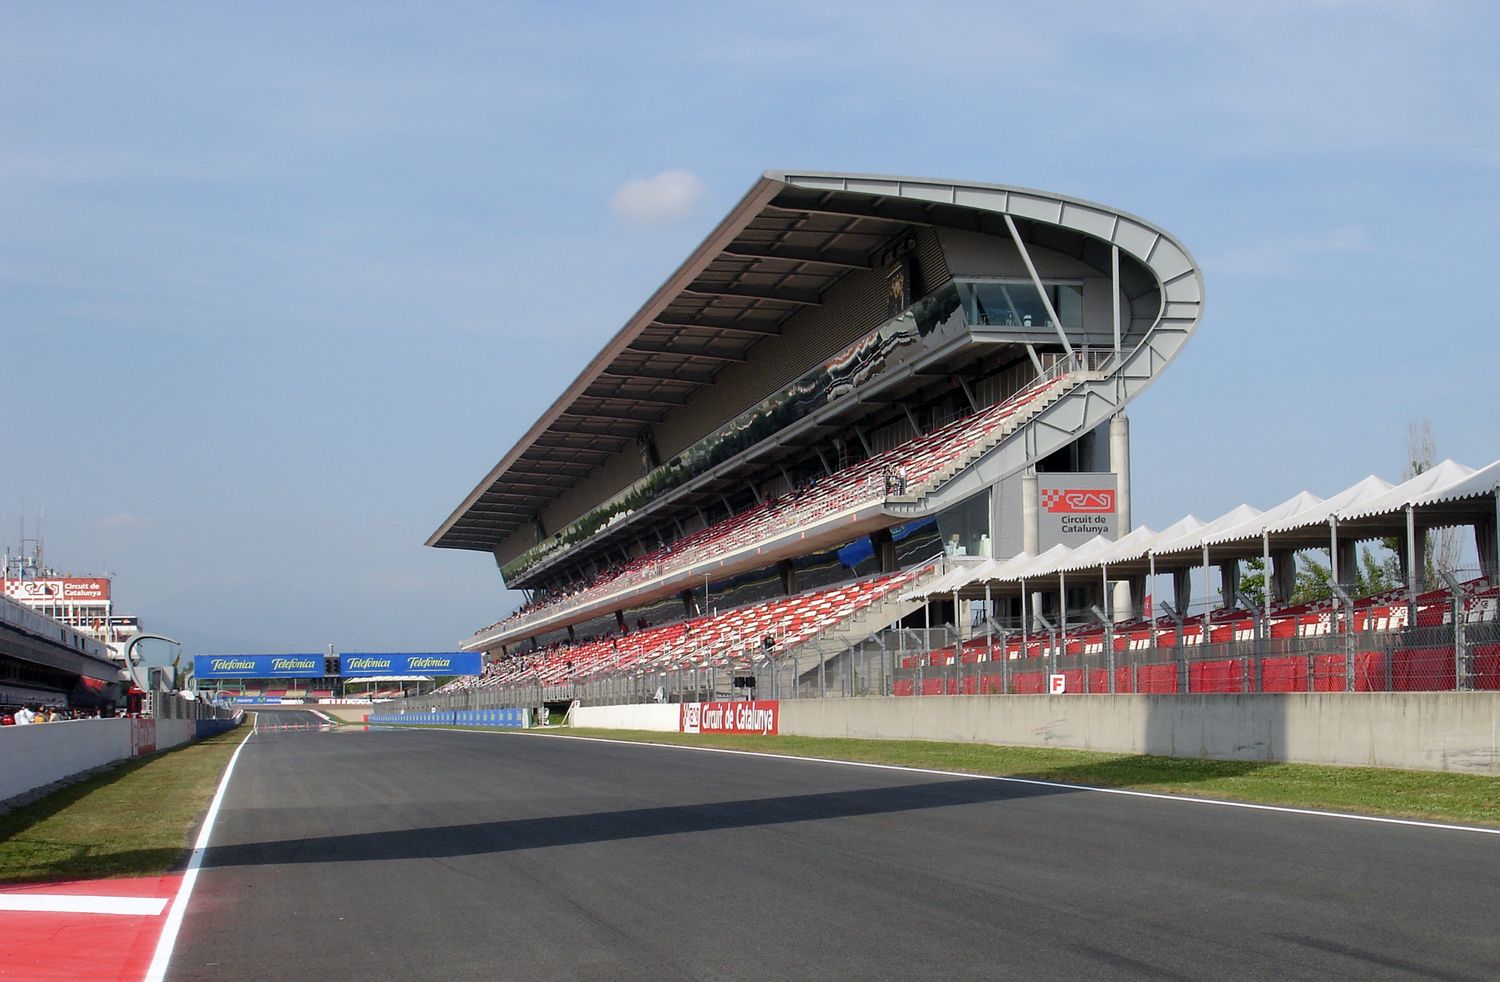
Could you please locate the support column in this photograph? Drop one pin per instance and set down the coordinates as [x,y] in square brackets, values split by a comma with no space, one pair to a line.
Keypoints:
[1182,590]
[1229,579]
[788,576]
[884,548]
[1031,530]
[1119,462]
[1283,575]
[1486,546]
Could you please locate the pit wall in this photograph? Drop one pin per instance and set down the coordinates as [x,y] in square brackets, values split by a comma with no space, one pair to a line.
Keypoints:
[1435,731]
[35,756]
[664,717]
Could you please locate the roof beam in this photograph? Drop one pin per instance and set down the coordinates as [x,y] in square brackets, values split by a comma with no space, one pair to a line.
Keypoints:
[785,294]
[545,467]
[604,414]
[734,326]
[662,349]
[912,212]
[618,396]
[662,375]
[793,254]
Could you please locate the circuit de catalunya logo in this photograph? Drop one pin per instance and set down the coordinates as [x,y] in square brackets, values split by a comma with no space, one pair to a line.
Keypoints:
[758,717]
[1058,501]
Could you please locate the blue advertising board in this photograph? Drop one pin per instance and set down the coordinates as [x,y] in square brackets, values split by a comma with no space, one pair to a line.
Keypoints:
[510,718]
[258,666]
[356,664]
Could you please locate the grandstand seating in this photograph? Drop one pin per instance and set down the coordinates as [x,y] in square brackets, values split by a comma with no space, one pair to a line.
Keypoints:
[728,639]
[926,461]
[1213,667]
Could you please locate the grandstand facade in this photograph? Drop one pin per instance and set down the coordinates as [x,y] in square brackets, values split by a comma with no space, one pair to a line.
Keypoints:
[852,386]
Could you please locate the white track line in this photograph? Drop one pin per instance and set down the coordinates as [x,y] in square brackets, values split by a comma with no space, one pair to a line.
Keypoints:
[1033,782]
[168,939]
[75,904]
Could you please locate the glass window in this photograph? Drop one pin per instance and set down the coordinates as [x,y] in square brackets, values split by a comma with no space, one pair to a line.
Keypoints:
[1016,303]
[965,528]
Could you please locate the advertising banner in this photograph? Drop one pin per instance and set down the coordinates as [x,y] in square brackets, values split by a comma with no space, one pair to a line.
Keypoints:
[1075,508]
[258,666]
[760,717]
[86,589]
[357,664]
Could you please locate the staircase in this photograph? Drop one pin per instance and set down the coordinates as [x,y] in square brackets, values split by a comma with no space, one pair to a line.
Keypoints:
[832,644]
[1025,414]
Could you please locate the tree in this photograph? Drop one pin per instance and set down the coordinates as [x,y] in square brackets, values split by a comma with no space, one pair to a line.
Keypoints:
[1373,573]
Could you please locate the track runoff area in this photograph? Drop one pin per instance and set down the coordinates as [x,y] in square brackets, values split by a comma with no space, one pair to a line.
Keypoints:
[430,853]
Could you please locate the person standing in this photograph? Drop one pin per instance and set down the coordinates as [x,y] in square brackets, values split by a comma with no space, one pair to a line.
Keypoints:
[24,716]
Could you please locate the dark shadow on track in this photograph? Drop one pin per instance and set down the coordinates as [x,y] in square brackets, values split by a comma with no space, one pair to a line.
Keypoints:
[567,830]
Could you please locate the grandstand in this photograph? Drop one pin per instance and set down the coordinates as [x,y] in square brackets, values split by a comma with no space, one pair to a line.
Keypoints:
[854,386]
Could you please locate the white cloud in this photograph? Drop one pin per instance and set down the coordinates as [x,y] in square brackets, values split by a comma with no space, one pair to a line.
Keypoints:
[123,520]
[667,197]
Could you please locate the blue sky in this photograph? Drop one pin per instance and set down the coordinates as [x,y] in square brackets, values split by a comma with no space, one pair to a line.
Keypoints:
[279,283]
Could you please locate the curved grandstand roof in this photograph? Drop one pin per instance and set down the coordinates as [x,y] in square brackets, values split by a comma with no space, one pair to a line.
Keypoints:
[791,237]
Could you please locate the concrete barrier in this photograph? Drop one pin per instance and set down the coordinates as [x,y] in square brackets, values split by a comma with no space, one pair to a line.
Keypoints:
[1440,731]
[662,717]
[34,756]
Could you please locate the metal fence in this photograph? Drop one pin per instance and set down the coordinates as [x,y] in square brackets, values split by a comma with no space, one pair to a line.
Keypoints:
[166,705]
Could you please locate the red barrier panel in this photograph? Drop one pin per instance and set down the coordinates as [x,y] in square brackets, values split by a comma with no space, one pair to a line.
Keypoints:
[903,687]
[1284,675]
[1156,678]
[1216,676]
[1029,683]
[1487,666]
[1423,670]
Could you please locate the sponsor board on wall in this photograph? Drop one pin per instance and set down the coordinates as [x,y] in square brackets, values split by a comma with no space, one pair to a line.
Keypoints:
[760,716]
[301,666]
[355,664]
[71,590]
[142,737]
[1074,508]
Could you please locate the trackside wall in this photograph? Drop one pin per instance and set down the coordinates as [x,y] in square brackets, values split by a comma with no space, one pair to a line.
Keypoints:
[35,756]
[665,717]
[1438,731]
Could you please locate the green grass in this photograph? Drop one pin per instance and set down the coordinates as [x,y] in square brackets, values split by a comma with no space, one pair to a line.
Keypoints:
[131,820]
[1438,796]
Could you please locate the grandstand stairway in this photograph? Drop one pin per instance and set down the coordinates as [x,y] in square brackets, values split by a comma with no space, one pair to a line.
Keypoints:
[922,497]
[834,643]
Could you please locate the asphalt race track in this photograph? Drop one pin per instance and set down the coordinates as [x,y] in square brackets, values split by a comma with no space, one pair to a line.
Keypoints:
[453,855]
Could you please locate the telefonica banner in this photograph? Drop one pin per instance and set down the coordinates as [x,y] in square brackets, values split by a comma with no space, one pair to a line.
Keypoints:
[354,664]
[258,666]
[1074,508]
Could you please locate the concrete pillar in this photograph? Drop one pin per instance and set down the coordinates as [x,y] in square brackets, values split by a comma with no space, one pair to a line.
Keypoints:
[1229,579]
[1348,562]
[884,548]
[1135,587]
[1283,576]
[1182,591]
[789,575]
[1031,529]
[1119,462]
[1487,548]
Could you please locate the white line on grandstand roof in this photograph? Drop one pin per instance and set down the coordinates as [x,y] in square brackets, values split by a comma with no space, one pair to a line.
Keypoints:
[168,940]
[1187,799]
[77,904]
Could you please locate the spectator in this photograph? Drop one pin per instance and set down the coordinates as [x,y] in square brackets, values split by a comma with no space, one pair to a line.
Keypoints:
[24,716]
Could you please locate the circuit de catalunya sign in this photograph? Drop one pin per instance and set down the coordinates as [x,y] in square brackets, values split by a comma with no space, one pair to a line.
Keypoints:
[730,717]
